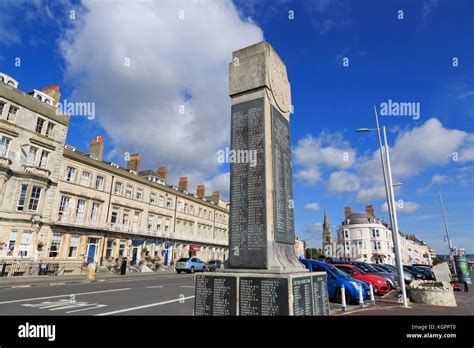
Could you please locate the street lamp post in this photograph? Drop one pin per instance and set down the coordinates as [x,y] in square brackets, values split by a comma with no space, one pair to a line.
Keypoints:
[387,174]
[447,232]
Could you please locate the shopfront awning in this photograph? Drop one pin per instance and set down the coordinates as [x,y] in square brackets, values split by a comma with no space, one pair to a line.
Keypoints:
[193,247]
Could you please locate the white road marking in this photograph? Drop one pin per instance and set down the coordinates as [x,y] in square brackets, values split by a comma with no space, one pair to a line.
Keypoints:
[86,309]
[77,294]
[145,306]
[154,287]
[142,279]
[57,283]
[74,305]
[21,286]
[187,286]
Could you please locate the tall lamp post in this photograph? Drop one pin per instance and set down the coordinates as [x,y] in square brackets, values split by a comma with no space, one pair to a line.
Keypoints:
[387,174]
[450,245]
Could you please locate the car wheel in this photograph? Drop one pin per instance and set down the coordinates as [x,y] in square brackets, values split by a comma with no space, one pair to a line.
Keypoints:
[339,296]
[179,271]
[389,285]
[191,270]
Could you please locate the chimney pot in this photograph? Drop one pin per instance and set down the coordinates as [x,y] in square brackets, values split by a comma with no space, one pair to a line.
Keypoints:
[162,172]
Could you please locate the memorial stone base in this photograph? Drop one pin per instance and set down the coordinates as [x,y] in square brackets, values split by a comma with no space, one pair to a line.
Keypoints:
[261,293]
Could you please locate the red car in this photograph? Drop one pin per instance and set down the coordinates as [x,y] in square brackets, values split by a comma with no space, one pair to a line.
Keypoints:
[379,283]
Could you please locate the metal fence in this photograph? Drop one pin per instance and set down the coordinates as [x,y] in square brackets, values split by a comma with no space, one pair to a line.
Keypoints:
[35,268]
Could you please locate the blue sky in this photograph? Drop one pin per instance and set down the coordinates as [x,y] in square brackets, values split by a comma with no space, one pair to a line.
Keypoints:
[183,61]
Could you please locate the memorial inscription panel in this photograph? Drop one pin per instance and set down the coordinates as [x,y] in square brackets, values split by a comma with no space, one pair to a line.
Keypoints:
[247,188]
[263,296]
[302,296]
[282,181]
[215,295]
[320,295]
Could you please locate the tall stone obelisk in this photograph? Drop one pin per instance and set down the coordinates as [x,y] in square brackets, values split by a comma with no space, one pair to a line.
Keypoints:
[263,275]
[262,231]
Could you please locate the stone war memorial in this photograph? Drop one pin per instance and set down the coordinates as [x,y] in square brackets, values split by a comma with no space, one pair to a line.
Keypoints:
[263,275]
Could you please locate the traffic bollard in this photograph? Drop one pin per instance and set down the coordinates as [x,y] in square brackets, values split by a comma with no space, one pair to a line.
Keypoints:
[372,299]
[361,298]
[343,298]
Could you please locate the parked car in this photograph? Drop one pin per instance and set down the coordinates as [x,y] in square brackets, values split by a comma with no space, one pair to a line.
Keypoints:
[392,279]
[214,265]
[427,269]
[392,269]
[190,265]
[426,273]
[335,279]
[380,284]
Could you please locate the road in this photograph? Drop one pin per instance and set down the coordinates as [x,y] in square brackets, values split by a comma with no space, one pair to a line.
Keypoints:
[153,295]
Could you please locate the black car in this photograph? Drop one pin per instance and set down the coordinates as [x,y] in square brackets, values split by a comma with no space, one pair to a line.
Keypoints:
[215,265]
[392,269]
[427,274]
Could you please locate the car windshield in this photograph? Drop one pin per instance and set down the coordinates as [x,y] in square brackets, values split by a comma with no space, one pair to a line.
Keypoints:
[366,268]
[360,270]
[183,259]
[338,272]
[212,262]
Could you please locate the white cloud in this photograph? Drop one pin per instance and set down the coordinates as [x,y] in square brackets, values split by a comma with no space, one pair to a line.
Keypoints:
[343,181]
[312,206]
[402,207]
[313,228]
[173,62]
[220,182]
[329,150]
[308,176]
[435,180]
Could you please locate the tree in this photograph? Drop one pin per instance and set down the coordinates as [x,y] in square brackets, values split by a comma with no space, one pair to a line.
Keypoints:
[313,253]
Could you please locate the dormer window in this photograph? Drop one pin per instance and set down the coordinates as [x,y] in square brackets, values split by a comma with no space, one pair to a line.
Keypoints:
[39,125]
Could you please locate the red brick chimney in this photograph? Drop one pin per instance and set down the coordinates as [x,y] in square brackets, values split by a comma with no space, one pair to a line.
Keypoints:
[96,148]
[201,191]
[216,196]
[183,183]
[134,162]
[162,172]
[347,211]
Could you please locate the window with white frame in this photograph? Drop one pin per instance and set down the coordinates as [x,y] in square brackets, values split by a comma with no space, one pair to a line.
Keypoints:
[129,191]
[70,174]
[22,197]
[95,212]
[114,215]
[109,248]
[159,223]
[122,248]
[4,146]
[167,224]
[34,198]
[12,112]
[12,243]
[73,244]
[169,203]
[152,198]
[2,107]
[118,188]
[80,209]
[375,233]
[64,208]
[99,182]
[161,201]
[50,130]
[139,194]
[31,157]
[346,234]
[126,217]
[86,178]
[39,125]
[376,245]
[150,221]
[44,159]
[55,245]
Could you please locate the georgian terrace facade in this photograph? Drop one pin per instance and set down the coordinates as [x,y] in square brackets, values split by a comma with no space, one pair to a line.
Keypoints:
[59,205]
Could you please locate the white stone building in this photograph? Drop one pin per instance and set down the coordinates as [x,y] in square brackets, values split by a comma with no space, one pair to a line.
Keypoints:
[65,208]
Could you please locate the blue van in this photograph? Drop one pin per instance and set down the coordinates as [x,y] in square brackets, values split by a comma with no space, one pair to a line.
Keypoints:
[336,278]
